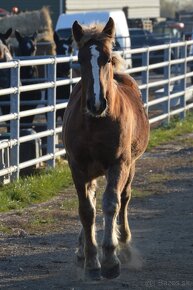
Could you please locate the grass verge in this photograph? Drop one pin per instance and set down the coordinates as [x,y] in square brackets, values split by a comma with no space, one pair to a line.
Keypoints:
[34,189]
[168,133]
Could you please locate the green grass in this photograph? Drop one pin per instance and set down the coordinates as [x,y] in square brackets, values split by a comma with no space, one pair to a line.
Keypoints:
[39,188]
[34,189]
[168,133]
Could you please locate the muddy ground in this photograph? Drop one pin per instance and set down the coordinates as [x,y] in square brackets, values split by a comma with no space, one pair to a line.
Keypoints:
[37,245]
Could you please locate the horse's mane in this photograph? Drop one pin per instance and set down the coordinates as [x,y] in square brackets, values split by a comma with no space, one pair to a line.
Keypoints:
[95,32]
[118,62]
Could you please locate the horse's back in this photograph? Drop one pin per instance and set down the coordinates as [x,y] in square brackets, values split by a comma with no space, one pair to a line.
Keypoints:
[131,100]
[130,94]
[128,82]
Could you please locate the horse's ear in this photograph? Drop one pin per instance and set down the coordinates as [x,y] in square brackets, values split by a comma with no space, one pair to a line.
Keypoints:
[109,28]
[8,33]
[18,36]
[77,31]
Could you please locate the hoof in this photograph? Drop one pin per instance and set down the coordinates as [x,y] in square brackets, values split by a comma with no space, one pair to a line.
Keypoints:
[111,273]
[93,274]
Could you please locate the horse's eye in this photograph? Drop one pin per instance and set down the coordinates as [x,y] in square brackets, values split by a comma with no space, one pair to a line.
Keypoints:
[109,60]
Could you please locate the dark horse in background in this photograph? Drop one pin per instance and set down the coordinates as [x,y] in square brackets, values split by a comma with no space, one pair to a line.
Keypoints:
[5,56]
[63,48]
[27,48]
[105,131]
[4,36]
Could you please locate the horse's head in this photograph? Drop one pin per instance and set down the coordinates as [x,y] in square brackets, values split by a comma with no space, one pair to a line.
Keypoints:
[27,44]
[5,36]
[63,45]
[95,58]
[5,54]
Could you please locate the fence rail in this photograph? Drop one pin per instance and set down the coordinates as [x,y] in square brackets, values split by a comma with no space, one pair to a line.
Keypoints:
[166,91]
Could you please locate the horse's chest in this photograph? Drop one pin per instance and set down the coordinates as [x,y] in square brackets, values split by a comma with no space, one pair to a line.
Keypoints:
[95,159]
[99,152]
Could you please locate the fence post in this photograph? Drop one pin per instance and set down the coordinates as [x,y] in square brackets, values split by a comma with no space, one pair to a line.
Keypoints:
[15,124]
[183,70]
[71,72]
[51,116]
[145,78]
[167,73]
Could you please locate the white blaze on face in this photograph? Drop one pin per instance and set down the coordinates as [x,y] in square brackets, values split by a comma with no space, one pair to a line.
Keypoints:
[95,74]
[29,45]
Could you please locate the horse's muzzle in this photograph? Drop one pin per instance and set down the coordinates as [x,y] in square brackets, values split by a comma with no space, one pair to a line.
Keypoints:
[96,111]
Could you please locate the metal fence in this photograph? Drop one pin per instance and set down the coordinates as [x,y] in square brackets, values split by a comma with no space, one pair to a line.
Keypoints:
[165,85]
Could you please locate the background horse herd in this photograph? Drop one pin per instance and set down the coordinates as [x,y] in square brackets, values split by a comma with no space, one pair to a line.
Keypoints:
[27,47]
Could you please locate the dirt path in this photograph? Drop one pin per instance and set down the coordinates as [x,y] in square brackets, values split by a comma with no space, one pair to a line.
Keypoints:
[40,255]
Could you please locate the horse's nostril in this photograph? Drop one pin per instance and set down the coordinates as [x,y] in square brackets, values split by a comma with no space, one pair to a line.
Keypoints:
[94,109]
[104,103]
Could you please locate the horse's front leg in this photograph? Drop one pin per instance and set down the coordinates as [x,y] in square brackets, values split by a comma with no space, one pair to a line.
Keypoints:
[81,239]
[125,233]
[87,213]
[116,179]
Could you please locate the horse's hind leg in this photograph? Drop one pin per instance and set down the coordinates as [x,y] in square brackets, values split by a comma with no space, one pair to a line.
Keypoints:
[116,179]
[87,213]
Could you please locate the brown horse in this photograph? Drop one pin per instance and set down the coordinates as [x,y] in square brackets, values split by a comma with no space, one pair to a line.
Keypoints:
[105,130]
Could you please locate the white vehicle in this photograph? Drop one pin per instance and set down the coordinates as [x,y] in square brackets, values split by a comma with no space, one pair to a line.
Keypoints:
[65,21]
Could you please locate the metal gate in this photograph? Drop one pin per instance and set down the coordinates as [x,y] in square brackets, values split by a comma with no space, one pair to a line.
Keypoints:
[166,91]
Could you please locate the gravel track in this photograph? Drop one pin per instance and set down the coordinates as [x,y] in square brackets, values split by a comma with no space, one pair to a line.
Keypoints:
[161,225]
